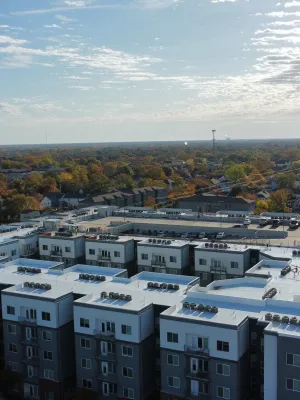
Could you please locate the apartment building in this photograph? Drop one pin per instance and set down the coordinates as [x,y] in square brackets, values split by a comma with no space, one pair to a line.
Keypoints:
[111,251]
[214,261]
[38,339]
[29,244]
[165,256]
[62,246]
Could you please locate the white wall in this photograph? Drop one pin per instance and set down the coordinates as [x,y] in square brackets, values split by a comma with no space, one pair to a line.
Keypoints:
[244,338]
[65,310]
[7,249]
[31,240]
[270,367]
[76,245]
[108,246]
[224,257]
[181,255]
[21,303]
[186,330]
[95,316]
[147,323]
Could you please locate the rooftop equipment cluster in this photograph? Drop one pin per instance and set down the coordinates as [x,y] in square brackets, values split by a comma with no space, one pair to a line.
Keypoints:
[116,296]
[269,294]
[30,270]
[160,241]
[285,319]
[200,307]
[163,286]
[286,270]
[33,285]
[216,245]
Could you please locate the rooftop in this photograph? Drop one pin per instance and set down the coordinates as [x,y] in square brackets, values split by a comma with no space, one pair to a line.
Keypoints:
[162,242]
[108,238]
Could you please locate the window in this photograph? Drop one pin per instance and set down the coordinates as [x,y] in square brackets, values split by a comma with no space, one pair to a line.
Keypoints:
[293,384]
[117,254]
[223,369]
[49,395]
[13,366]
[174,382]
[87,383]
[13,253]
[222,346]
[293,359]
[108,326]
[31,313]
[92,252]
[203,388]
[84,323]
[11,329]
[86,363]
[127,372]
[85,343]
[68,249]
[31,371]
[31,352]
[48,374]
[172,337]
[45,247]
[223,393]
[128,393]
[10,310]
[173,359]
[202,261]
[30,333]
[173,259]
[47,355]
[46,316]
[47,335]
[234,264]
[144,256]
[127,351]
[12,347]
[109,388]
[34,391]
[126,329]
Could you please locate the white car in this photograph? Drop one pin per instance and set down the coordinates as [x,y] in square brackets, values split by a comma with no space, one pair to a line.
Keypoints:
[221,235]
[247,221]
[184,236]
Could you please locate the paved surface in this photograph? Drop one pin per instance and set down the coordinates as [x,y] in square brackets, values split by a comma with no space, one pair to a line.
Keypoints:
[292,239]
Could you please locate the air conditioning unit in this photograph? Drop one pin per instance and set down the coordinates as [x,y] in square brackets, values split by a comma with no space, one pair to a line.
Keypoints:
[285,319]
[154,241]
[31,284]
[111,295]
[293,321]
[214,310]
[170,286]
[207,308]
[268,317]
[159,241]
[47,286]
[193,306]
[216,246]
[211,245]
[225,246]
[103,278]
[116,296]
[206,244]
[169,242]
[186,304]
[43,286]
[39,270]
[176,287]
[128,297]
[295,252]
[97,278]
[149,285]
[19,269]
[26,284]
[156,285]
[276,318]
[122,297]
[92,277]
[104,295]
[163,286]
[200,307]
[81,276]
[150,240]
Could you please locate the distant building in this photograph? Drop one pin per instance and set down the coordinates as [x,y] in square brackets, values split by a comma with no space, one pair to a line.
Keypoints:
[282,163]
[51,199]
[26,215]
[209,203]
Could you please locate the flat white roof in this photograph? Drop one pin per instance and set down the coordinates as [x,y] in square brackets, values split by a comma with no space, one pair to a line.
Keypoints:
[162,242]
[15,234]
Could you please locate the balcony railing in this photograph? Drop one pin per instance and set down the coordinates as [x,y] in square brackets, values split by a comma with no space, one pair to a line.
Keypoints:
[197,374]
[158,262]
[30,340]
[219,269]
[104,334]
[191,395]
[56,253]
[104,258]
[196,350]
[27,321]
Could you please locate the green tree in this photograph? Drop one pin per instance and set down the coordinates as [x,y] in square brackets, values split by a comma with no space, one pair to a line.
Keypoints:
[278,201]
[261,206]
[286,181]
[235,172]
[124,181]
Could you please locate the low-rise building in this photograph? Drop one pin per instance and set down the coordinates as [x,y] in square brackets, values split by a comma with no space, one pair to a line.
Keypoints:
[63,246]
[210,203]
[165,256]
[111,251]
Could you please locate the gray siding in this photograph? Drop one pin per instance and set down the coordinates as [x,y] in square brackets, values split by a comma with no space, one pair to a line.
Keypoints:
[286,345]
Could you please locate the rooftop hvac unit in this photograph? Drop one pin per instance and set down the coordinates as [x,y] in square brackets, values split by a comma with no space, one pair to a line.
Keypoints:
[206,244]
[47,286]
[200,307]
[221,246]
[156,285]
[170,286]
[104,295]
[81,276]
[86,276]
[122,297]
[150,284]
[111,295]
[186,304]
[169,242]
[211,245]
[97,278]
[214,310]
[285,319]
[103,278]
[269,294]
[37,285]
[150,240]
[216,245]
[92,277]
[31,284]
[193,306]
[176,287]
[207,308]
[116,296]
[26,284]
[19,269]
[128,297]
[276,318]
[225,246]
[268,317]
[43,286]
[295,252]
[293,321]
[159,241]
[39,270]
[286,270]
[163,286]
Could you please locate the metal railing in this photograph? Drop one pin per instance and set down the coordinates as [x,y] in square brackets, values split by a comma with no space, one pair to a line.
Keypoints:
[56,253]
[29,321]
[196,350]
[158,262]
[103,258]
[200,374]
[218,269]
[106,334]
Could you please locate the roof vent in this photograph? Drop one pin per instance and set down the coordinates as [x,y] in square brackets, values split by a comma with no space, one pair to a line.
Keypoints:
[206,244]
[128,297]
[103,278]
[268,317]
[216,246]
[170,286]
[153,240]
[176,287]
[26,284]
[163,286]
[225,245]
[111,295]
[214,310]
[150,285]
[47,286]
[150,240]
[169,242]
[116,296]
[276,318]
[159,241]
[193,306]
[269,294]
[104,295]
[285,319]
[293,321]
[207,308]
[200,307]
[211,245]
[122,297]
[31,284]
[186,304]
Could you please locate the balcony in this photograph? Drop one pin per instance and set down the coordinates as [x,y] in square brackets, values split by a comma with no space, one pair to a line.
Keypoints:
[31,361]
[27,321]
[158,263]
[218,269]
[109,335]
[30,340]
[196,351]
[193,395]
[102,257]
[197,374]
[28,252]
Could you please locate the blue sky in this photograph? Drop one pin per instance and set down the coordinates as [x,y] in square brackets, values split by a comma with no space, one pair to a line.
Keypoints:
[139,70]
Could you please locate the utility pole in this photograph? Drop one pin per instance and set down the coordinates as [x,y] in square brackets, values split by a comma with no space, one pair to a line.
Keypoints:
[214,145]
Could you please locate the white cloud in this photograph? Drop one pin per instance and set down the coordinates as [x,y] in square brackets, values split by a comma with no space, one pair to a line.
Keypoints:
[289,4]
[157,4]
[46,107]
[81,88]
[63,18]
[16,61]
[223,1]
[10,40]
[54,26]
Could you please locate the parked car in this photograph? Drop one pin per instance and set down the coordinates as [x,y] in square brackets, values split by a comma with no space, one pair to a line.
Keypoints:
[201,235]
[247,221]
[184,235]
[238,226]
[221,235]
[160,233]
[275,222]
[294,223]
[263,221]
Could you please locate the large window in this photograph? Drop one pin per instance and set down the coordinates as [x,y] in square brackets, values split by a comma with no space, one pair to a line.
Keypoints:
[223,369]
[172,337]
[128,393]
[47,335]
[234,264]
[202,261]
[223,392]
[87,383]
[126,329]
[127,351]
[85,343]
[48,374]
[92,252]
[11,329]
[293,359]
[45,247]
[86,363]
[174,382]
[222,346]
[173,359]
[12,347]
[47,355]
[117,254]
[46,316]
[84,323]
[293,384]
[11,310]
[144,256]
[68,249]
[127,372]
[173,259]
